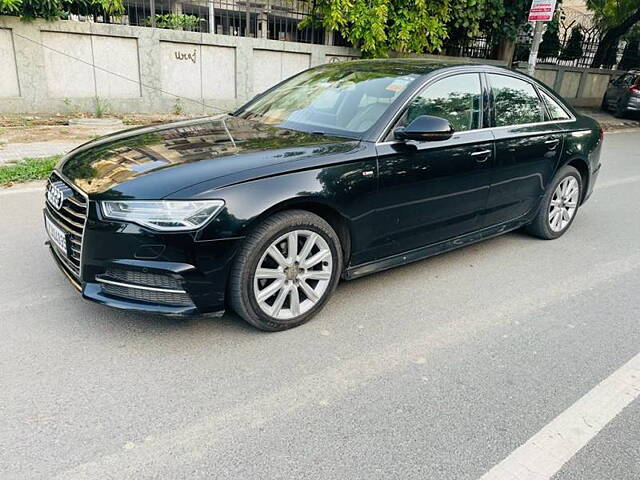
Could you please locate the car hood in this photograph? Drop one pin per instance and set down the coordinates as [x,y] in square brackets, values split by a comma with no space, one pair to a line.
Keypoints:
[153,162]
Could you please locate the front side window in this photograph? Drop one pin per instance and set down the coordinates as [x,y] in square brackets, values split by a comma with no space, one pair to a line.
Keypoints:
[556,112]
[456,98]
[336,100]
[515,101]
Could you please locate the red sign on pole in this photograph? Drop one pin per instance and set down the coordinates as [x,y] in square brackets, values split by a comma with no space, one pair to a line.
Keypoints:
[542,10]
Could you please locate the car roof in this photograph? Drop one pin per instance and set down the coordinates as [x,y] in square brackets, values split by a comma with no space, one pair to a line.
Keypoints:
[404,66]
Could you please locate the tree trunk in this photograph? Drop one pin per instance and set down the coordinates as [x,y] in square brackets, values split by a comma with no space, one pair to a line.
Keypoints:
[611,38]
[506,49]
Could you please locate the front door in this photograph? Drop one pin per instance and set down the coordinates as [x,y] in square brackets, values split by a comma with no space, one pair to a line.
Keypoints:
[527,149]
[431,191]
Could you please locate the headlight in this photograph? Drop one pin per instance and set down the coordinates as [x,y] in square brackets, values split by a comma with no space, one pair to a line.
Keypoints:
[171,215]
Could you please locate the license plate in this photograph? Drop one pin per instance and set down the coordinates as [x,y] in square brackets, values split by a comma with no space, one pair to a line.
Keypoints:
[56,234]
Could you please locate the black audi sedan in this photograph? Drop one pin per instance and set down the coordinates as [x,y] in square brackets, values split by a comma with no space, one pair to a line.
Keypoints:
[338,172]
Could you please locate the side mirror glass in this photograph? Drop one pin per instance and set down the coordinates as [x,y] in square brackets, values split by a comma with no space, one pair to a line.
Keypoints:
[425,128]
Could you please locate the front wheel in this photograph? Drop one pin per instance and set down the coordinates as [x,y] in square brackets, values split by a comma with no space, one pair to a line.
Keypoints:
[285,271]
[559,205]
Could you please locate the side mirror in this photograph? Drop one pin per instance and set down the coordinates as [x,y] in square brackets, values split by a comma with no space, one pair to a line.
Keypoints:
[425,128]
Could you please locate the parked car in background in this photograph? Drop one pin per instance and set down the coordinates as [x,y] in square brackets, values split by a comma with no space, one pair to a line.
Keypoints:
[623,94]
[338,172]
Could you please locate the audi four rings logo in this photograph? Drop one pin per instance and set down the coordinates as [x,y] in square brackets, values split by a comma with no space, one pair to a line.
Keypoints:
[56,194]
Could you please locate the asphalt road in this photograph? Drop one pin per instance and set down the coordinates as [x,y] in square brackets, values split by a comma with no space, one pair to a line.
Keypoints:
[436,370]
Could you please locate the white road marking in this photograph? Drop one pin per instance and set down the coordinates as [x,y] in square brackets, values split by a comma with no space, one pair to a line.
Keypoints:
[544,454]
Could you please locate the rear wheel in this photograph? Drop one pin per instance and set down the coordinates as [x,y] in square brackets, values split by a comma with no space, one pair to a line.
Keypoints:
[621,109]
[559,205]
[285,271]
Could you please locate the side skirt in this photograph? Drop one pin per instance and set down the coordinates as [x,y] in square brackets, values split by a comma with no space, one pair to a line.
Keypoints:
[431,250]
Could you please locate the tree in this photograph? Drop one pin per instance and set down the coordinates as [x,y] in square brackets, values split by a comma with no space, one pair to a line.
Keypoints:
[631,54]
[573,48]
[55,9]
[499,20]
[615,18]
[378,26]
[550,45]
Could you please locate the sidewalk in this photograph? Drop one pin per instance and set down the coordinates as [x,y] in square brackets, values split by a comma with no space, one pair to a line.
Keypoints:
[608,121]
[40,141]
[18,151]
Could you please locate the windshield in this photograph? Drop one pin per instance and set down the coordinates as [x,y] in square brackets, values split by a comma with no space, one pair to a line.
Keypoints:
[343,100]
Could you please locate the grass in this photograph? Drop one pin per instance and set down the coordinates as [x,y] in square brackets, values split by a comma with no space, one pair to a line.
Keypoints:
[27,169]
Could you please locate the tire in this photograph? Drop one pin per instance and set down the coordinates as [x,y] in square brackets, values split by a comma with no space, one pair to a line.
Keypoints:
[604,106]
[620,111]
[547,224]
[313,284]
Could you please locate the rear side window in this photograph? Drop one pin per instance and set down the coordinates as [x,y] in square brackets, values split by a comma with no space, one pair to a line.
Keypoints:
[456,98]
[515,101]
[625,80]
[556,112]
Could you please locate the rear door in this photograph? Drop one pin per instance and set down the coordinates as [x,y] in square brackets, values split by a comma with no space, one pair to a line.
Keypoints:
[528,147]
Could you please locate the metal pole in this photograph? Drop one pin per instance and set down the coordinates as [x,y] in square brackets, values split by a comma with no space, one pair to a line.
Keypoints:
[535,46]
[212,17]
[247,30]
[152,11]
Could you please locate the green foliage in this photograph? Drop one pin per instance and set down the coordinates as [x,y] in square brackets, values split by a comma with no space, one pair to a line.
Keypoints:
[175,21]
[55,9]
[550,46]
[47,9]
[101,107]
[573,49]
[10,7]
[27,169]
[609,13]
[178,109]
[615,18]
[498,19]
[380,26]
[94,7]
[631,55]
[415,26]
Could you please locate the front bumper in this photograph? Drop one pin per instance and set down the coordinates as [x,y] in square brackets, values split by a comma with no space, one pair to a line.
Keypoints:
[128,267]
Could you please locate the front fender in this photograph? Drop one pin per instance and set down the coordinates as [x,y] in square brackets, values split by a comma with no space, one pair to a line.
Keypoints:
[348,189]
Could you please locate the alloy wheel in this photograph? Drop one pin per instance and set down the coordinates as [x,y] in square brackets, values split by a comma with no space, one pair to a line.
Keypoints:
[293,274]
[563,204]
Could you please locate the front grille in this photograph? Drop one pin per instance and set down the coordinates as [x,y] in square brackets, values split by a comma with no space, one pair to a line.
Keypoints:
[71,218]
[150,296]
[142,278]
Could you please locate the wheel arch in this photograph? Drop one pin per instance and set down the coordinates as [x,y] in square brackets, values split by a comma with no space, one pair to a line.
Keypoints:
[330,214]
[580,164]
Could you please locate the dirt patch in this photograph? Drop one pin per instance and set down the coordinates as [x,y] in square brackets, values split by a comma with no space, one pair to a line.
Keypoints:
[54,128]
[57,133]
[58,119]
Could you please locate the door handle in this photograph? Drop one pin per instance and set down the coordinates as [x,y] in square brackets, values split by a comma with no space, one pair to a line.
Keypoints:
[482,155]
[553,143]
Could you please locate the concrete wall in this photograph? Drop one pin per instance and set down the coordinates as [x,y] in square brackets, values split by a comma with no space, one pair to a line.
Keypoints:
[64,65]
[582,87]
